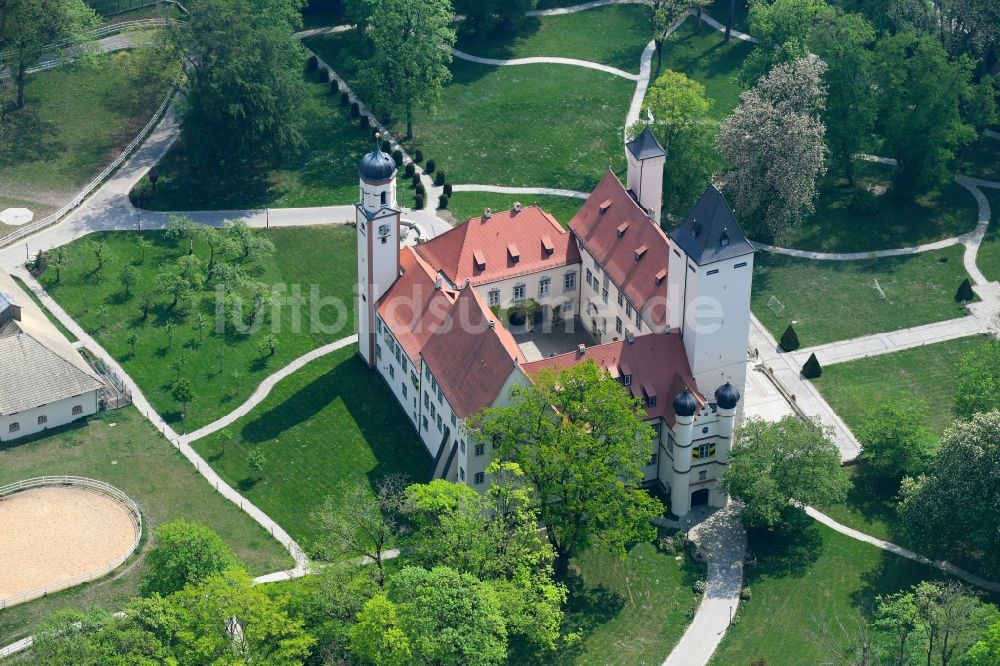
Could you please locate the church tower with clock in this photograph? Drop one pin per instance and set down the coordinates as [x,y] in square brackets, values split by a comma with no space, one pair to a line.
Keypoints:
[377,217]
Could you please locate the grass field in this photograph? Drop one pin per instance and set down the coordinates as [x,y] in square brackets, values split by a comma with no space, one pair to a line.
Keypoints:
[981,159]
[122,448]
[325,173]
[858,390]
[464,205]
[801,580]
[76,120]
[632,611]
[719,10]
[330,423]
[837,300]
[988,258]
[706,59]
[581,35]
[891,222]
[304,257]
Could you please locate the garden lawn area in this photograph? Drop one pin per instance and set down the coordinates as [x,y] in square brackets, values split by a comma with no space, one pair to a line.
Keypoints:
[858,390]
[890,223]
[324,173]
[838,300]
[304,257]
[123,449]
[707,60]
[809,577]
[581,35]
[719,10]
[333,422]
[77,119]
[981,159]
[632,611]
[465,205]
[988,258]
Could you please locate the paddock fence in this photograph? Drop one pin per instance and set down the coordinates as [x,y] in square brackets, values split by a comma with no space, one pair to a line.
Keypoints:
[92,485]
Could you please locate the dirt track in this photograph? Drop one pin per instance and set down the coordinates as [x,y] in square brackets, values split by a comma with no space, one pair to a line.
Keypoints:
[49,535]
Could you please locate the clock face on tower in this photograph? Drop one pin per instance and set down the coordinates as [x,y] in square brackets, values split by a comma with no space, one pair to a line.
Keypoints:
[383,230]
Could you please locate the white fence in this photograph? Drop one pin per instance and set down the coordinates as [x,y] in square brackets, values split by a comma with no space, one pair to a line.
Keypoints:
[88,484]
[38,225]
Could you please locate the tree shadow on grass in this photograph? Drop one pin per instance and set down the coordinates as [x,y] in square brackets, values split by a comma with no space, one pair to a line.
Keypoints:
[787,551]
[33,138]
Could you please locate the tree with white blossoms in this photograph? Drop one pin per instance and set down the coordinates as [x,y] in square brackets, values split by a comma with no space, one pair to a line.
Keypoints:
[774,144]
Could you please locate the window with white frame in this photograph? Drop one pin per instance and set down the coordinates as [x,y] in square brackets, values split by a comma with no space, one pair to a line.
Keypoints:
[590,276]
[621,298]
[480,449]
[618,326]
[569,281]
[14,427]
[43,419]
[604,295]
[78,409]
[461,474]
[494,297]
[544,286]
[518,292]
[628,309]
[480,478]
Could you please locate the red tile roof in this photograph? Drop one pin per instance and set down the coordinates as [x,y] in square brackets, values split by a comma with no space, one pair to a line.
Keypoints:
[629,246]
[495,241]
[656,361]
[413,308]
[470,359]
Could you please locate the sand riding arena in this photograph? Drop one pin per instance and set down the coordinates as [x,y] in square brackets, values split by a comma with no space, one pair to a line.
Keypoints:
[60,531]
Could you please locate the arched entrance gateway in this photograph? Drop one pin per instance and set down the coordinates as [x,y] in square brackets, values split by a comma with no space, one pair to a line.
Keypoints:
[699,497]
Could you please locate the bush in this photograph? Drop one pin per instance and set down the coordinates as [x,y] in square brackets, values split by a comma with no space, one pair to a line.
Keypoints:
[430,166]
[365,123]
[811,369]
[789,340]
[419,202]
[965,293]
[415,178]
[863,202]
[439,179]
[447,189]
[410,170]
[443,202]
[745,594]
[397,157]
[355,110]
[334,86]
[699,587]
[323,75]
[345,99]
[418,156]
[421,189]
[386,146]
[312,64]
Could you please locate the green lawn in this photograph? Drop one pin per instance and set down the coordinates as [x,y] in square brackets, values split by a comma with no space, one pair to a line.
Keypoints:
[305,257]
[465,205]
[706,59]
[890,223]
[838,300]
[858,390]
[325,173]
[632,611]
[122,448]
[811,577]
[981,159]
[76,121]
[988,258]
[581,35]
[330,423]
[719,10]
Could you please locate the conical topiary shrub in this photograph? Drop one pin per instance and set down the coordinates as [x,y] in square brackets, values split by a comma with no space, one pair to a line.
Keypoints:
[812,369]
[965,292]
[789,340]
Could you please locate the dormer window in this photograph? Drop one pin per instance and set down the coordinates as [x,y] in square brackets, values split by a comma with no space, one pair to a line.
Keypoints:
[627,380]
[479,260]
[622,228]
[724,239]
[548,246]
[660,275]
[695,229]
[515,255]
[605,205]
[639,251]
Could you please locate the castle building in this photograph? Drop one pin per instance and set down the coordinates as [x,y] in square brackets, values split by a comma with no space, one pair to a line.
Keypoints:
[667,315]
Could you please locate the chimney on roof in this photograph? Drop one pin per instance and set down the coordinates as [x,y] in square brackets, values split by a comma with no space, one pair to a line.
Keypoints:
[467,281]
[487,213]
[493,324]
[517,206]
[580,349]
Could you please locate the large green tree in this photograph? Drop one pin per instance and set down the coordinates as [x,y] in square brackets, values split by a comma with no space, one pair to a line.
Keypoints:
[409,65]
[582,442]
[448,617]
[487,15]
[776,463]
[986,651]
[29,28]
[243,88]
[895,443]
[920,92]
[773,142]
[185,552]
[955,508]
[782,28]
[682,124]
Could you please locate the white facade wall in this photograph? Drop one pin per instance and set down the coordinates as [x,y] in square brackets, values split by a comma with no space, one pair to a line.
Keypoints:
[601,318]
[398,370]
[707,458]
[558,294]
[645,179]
[55,414]
[378,257]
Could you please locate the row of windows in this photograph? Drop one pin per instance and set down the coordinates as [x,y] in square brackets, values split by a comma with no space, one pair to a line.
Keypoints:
[594,282]
[544,289]
[43,419]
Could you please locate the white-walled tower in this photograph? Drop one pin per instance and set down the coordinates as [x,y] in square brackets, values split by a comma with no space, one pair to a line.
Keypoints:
[646,158]
[685,407]
[708,292]
[377,219]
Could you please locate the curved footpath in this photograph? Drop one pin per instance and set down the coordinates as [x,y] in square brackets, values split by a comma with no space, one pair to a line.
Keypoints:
[546,60]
